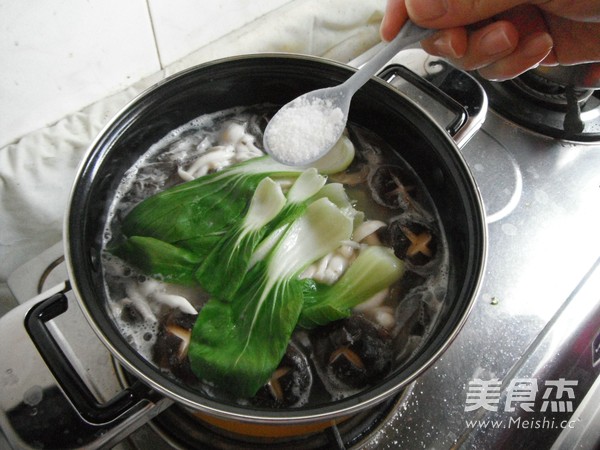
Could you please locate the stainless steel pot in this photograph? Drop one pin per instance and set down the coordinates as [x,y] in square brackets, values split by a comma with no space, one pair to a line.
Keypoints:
[427,147]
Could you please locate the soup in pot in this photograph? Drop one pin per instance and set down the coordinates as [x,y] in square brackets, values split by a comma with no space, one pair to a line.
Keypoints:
[266,285]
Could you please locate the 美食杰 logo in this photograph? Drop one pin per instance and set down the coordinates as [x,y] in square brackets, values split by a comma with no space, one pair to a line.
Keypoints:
[526,394]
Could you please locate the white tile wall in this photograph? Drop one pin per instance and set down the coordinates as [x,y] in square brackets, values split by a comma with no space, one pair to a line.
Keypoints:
[57,57]
[181,26]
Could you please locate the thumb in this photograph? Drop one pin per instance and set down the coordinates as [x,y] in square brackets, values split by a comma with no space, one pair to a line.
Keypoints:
[453,13]
[395,16]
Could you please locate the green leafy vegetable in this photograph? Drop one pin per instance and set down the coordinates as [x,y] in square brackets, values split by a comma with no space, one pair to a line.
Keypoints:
[160,259]
[193,216]
[221,272]
[239,343]
[374,269]
[236,235]
[336,193]
[299,196]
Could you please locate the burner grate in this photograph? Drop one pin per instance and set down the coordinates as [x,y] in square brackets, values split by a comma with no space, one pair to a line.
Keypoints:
[548,92]
[546,107]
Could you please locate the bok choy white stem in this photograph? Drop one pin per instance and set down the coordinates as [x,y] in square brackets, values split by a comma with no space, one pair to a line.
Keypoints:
[221,272]
[239,343]
[374,269]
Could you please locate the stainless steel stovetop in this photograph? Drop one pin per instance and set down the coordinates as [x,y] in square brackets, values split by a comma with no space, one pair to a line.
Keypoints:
[523,372]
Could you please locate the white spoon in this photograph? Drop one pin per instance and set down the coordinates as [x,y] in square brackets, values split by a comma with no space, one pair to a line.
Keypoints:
[306,128]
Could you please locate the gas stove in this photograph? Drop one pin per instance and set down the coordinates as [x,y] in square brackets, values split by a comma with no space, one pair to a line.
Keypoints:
[522,373]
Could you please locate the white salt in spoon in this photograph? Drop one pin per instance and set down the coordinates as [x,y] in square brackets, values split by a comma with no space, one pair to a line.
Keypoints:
[306,128]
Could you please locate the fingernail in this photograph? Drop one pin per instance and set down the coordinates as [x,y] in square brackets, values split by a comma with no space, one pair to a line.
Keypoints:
[494,42]
[426,9]
[443,47]
[538,45]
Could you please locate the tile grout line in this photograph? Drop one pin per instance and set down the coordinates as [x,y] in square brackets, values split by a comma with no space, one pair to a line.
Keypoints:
[154,34]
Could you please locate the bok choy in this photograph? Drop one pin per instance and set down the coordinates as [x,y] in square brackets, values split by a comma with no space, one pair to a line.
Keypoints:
[374,269]
[245,243]
[192,217]
[238,343]
[160,259]
[221,272]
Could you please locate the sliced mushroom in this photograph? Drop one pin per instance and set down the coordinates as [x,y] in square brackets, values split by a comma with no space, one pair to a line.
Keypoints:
[366,229]
[393,187]
[289,385]
[412,241]
[232,133]
[172,343]
[352,353]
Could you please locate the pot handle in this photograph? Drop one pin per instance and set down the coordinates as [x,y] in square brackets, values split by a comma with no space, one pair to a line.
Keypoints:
[73,386]
[454,99]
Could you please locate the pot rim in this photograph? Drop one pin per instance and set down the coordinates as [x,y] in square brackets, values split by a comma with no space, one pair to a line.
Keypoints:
[390,386]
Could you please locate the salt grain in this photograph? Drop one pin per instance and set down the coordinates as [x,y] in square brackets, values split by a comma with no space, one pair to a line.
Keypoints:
[298,133]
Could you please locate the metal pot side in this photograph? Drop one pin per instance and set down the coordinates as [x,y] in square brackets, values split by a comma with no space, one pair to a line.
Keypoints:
[273,79]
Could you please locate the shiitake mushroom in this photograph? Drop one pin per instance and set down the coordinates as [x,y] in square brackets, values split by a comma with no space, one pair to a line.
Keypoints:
[352,353]
[172,343]
[289,385]
[393,187]
[415,315]
[412,241]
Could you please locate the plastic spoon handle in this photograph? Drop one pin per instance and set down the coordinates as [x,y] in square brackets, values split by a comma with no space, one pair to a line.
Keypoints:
[408,35]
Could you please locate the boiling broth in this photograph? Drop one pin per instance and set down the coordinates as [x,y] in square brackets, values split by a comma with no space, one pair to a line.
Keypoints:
[321,363]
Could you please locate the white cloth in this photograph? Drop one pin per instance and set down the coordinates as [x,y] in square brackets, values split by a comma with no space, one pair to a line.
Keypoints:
[37,171]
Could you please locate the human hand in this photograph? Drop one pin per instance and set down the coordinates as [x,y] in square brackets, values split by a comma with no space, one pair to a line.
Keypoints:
[503,38]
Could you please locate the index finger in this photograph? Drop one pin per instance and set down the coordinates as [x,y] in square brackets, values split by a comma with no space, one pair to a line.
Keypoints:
[393,20]
[453,13]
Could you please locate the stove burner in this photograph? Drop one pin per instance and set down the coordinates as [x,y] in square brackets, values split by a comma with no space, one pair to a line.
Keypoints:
[547,107]
[180,428]
[184,431]
[546,91]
